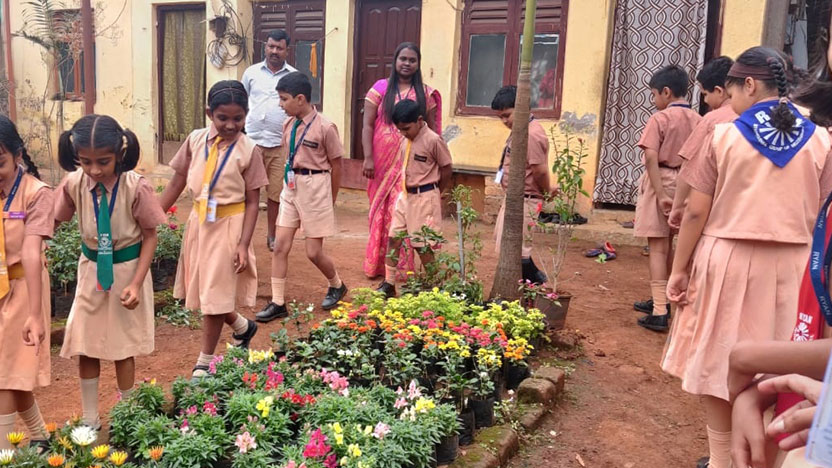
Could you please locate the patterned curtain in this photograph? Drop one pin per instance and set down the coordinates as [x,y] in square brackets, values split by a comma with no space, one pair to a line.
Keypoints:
[183,73]
[648,35]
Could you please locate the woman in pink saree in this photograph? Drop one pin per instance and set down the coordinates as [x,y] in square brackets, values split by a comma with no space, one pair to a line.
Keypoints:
[382,142]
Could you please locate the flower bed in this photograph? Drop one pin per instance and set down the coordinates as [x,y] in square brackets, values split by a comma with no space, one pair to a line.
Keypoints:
[379,384]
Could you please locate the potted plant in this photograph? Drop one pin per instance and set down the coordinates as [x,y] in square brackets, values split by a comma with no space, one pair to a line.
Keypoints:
[516,368]
[62,254]
[561,207]
[448,424]
[451,388]
[487,365]
[166,256]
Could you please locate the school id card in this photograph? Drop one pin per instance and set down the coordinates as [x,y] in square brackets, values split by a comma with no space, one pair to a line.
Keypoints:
[819,447]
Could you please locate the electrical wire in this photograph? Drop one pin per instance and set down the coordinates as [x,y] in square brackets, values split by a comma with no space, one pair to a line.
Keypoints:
[231,47]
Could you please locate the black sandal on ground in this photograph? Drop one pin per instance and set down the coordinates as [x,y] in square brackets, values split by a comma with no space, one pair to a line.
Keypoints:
[197,378]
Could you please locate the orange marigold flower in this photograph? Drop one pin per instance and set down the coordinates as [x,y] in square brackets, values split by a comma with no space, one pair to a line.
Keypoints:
[363,329]
[155,453]
[51,427]
[55,460]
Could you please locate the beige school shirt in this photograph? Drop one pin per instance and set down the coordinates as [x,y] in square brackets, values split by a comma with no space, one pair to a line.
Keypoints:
[667,130]
[428,152]
[538,153]
[320,147]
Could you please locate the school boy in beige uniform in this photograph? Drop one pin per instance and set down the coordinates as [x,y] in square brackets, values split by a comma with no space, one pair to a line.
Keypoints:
[426,176]
[311,182]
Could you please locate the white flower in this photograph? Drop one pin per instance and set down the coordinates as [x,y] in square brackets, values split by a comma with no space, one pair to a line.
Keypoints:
[6,456]
[83,435]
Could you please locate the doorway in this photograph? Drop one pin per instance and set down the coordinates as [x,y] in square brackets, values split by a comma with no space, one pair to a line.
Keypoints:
[380,25]
[181,75]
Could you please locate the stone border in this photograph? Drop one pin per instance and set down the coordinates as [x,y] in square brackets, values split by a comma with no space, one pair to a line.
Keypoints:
[493,447]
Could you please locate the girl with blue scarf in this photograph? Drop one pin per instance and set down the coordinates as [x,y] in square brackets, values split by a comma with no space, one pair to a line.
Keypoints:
[746,233]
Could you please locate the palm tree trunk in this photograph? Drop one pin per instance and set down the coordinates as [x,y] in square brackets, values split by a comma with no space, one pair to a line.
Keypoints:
[508,266]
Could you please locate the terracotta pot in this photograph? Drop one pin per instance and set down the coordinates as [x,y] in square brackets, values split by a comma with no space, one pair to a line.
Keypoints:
[554,311]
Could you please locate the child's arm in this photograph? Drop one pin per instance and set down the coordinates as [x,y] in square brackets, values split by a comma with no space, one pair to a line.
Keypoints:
[651,161]
[541,177]
[33,329]
[249,220]
[696,215]
[676,214]
[446,178]
[130,295]
[64,207]
[172,191]
[336,179]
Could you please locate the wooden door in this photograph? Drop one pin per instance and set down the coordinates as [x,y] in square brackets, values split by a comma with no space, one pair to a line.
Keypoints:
[381,25]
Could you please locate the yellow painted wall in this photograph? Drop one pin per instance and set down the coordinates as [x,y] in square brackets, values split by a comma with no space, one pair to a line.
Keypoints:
[742,25]
[338,58]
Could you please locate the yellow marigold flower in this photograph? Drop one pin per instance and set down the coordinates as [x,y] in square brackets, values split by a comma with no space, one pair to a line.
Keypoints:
[101,451]
[51,427]
[118,458]
[55,460]
[155,453]
[15,438]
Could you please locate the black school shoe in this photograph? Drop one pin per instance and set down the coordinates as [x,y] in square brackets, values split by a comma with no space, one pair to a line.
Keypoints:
[657,323]
[387,289]
[646,306]
[703,462]
[270,312]
[333,297]
[245,337]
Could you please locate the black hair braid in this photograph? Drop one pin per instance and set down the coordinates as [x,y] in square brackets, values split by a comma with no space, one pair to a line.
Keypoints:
[31,168]
[781,116]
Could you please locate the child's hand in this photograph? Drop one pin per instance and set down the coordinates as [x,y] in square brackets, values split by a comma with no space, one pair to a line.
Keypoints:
[240,259]
[674,219]
[665,203]
[677,287]
[798,419]
[33,333]
[748,441]
[130,297]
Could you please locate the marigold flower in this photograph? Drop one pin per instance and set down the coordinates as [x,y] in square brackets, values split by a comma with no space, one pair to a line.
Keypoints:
[51,427]
[118,458]
[55,460]
[15,438]
[101,451]
[155,453]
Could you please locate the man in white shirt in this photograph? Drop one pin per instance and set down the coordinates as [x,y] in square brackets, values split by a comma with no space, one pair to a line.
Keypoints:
[264,123]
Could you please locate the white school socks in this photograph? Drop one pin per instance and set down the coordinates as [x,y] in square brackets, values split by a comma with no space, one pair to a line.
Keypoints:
[34,423]
[335,281]
[203,360]
[240,325]
[278,290]
[89,402]
[6,426]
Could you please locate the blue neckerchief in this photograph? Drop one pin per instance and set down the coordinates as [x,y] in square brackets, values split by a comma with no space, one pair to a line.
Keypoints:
[779,147]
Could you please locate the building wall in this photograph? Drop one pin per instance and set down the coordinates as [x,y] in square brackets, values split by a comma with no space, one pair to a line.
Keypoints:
[742,25]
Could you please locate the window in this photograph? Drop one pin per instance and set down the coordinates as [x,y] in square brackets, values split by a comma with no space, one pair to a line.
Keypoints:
[304,21]
[492,35]
[69,70]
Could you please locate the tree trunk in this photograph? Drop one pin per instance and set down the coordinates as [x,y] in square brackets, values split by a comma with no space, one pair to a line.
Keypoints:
[508,266]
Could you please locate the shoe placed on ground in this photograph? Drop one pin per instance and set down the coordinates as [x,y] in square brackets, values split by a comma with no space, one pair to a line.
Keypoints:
[333,297]
[270,243]
[245,337]
[657,323]
[270,312]
[387,289]
[703,462]
[199,373]
[647,307]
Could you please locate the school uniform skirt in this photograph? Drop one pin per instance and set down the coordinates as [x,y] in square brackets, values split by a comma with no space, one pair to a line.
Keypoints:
[20,368]
[99,326]
[205,276]
[739,290]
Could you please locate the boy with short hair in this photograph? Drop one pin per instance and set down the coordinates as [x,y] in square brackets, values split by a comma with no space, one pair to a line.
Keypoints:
[427,174]
[664,134]
[311,182]
[537,181]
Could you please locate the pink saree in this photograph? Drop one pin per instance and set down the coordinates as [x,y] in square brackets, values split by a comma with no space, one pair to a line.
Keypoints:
[384,188]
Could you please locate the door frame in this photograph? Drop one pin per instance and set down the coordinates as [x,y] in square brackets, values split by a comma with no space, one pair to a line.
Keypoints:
[160,47]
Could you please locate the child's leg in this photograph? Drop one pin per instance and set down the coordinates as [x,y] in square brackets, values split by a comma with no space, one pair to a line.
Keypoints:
[239,326]
[393,245]
[126,376]
[211,329]
[280,262]
[659,253]
[29,411]
[718,416]
[89,369]
[315,253]
[8,410]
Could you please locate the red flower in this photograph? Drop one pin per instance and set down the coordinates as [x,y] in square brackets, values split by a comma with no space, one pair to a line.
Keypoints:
[172,210]
[539,207]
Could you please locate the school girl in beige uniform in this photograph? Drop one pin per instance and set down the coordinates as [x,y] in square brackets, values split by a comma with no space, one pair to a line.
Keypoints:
[223,171]
[427,174]
[24,286]
[112,314]
[750,229]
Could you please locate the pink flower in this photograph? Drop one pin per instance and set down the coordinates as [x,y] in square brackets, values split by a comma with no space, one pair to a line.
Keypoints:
[331,461]
[413,391]
[427,314]
[209,408]
[245,442]
[399,391]
[539,207]
[173,209]
[400,403]
[172,226]
[212,366]
[381,430]
[191,410]
[317,447]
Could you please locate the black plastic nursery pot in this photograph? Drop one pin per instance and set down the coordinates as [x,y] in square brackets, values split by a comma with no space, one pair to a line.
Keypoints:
[483,412]
[447,450]
[466,432]
[515,373]
[499,386]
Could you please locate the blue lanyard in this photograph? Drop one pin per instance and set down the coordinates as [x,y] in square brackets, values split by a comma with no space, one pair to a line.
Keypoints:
[685,105]
[820,261]
[222,164]
[13,191]
[112,200]
[293,149]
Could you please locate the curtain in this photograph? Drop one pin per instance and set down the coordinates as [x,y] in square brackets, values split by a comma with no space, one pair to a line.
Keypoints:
[183,73]
[648,34]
